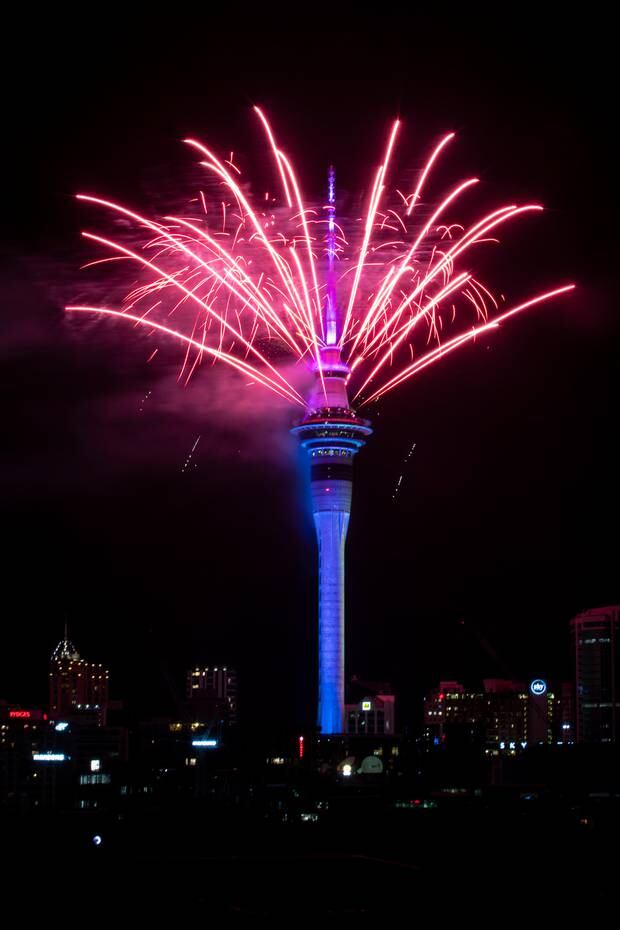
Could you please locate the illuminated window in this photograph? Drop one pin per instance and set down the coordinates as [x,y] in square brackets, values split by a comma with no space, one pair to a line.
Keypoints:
[99,779]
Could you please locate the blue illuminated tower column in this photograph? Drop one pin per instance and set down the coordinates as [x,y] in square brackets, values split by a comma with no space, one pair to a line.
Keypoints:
[332,434]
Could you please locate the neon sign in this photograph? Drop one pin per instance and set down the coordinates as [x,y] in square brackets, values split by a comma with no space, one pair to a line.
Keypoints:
[538,687]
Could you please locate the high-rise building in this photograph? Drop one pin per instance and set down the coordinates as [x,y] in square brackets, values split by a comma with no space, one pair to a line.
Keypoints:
[77,687]
[505,715]
[212,693]
[596,639]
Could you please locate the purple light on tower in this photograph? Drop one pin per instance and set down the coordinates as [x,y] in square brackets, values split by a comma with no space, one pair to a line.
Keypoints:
[239,292]
[332,434]
[331,306]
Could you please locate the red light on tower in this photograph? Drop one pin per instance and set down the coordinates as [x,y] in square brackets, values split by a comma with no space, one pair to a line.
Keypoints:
[301,747]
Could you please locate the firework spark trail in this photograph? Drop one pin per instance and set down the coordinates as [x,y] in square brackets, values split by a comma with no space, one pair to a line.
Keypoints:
[187,461]
[248,284]
[458,341]
[398,484]
[234,362]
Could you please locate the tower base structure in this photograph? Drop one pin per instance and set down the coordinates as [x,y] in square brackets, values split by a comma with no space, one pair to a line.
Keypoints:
[332,434]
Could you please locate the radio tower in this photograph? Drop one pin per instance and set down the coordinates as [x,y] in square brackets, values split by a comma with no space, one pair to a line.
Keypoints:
[332,434]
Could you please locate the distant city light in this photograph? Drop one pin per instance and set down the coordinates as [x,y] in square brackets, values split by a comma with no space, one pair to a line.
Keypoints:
[347,770]
[62,726]
[205,743]
[97,839]
[301,747]
[366,705]
[49,756]
[95,765]
[20,714]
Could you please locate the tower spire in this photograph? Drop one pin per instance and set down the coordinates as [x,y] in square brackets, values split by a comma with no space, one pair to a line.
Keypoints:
[331,307]
[65,648]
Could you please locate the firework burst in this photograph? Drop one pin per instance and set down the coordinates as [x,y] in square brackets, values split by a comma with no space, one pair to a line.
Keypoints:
[252,281]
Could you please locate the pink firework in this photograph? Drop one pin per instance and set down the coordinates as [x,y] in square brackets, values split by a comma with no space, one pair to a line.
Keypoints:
[253,281]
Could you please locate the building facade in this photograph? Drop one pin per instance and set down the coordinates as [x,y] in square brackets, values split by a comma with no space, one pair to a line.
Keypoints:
[212,694]
[504,715]
[75,685]
[596,641]
[372,716]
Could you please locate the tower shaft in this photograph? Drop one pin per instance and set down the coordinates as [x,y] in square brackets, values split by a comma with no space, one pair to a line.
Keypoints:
[331,506]
[332,434]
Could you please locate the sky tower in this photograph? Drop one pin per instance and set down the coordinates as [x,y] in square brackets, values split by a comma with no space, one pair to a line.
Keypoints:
[409,296]
[332,434]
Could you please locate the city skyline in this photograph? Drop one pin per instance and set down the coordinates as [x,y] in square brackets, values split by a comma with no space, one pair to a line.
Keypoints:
[80,688]
[498,515]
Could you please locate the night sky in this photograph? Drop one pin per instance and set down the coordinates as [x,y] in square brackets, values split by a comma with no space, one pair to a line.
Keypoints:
[507,511]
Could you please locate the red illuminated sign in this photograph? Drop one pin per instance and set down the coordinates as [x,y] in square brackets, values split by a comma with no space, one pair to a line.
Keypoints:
[301,747]
[19,713]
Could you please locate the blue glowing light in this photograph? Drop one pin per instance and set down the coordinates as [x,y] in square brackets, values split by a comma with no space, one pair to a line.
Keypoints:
[61,727]
[332,435]
[538,687]
[97,839]
[49,756]
[205,743]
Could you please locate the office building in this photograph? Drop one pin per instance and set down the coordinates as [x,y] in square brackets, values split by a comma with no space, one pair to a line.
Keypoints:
[76,687]
[372,716]
[212,694]
[504,715]
[596,642]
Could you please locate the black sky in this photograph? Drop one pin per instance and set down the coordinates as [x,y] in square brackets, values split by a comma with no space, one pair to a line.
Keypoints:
[508,506]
